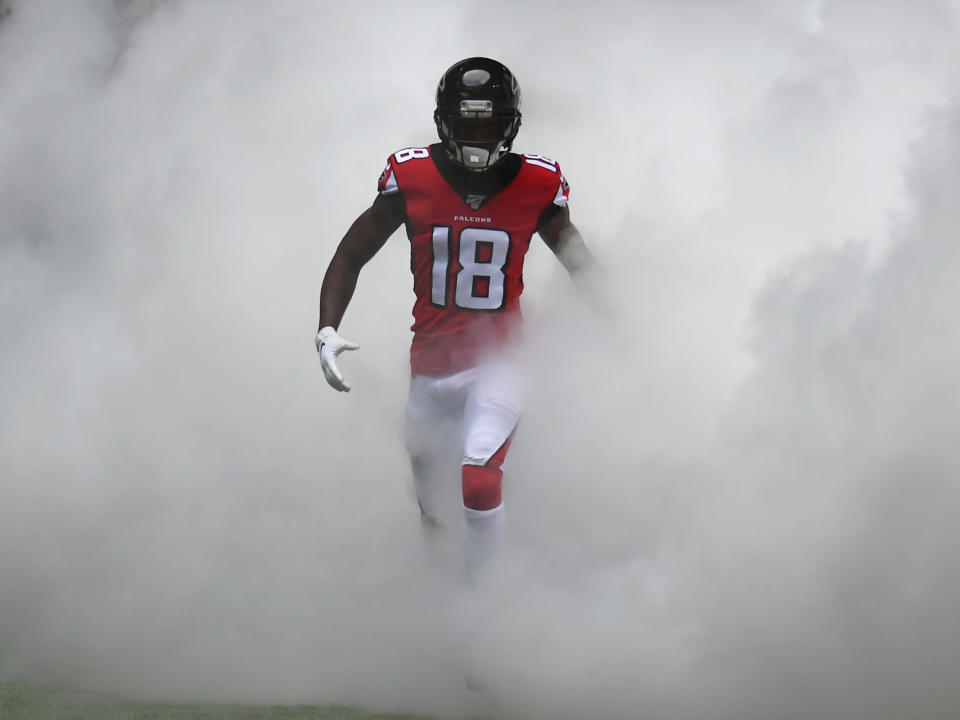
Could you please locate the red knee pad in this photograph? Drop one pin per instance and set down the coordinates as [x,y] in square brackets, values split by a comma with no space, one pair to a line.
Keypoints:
[481,487]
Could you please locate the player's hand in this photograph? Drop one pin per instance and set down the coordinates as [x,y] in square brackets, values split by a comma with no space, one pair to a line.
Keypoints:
[329,345]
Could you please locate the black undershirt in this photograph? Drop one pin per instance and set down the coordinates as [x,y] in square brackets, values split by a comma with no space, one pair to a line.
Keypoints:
[468,183]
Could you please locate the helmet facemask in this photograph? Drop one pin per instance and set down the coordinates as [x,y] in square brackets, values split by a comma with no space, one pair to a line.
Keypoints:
[475,137]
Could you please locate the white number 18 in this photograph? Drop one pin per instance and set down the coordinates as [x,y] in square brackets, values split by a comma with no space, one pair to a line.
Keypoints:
[479,284]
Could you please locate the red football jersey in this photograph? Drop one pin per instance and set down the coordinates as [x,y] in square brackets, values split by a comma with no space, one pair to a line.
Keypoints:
[467,263]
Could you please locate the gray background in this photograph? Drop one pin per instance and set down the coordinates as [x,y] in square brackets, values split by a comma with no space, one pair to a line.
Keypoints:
[733,497]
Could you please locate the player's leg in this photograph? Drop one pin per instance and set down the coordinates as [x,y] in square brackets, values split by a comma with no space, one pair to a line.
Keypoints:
[491,414]
[425,418]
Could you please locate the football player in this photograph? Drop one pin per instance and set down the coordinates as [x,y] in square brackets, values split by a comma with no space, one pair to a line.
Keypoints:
[470,207]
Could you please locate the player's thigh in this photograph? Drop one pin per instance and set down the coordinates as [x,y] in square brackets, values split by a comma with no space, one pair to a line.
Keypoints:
[432,434]
[423,413]
[492,410]
[433,420]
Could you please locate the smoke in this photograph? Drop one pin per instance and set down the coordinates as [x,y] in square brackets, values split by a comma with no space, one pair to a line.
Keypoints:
[731,497]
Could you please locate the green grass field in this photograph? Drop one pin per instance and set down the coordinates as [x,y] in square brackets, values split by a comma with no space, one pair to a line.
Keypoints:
[25,702]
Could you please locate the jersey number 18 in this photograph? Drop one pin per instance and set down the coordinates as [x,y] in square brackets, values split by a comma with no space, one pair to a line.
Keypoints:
[480,284]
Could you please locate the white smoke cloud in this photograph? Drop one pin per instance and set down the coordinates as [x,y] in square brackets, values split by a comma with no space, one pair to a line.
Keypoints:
[733,499]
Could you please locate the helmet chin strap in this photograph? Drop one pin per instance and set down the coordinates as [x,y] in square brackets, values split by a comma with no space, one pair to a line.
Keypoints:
[475,158]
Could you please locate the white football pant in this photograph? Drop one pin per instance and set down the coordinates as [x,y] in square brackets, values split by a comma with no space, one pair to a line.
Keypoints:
[472,414]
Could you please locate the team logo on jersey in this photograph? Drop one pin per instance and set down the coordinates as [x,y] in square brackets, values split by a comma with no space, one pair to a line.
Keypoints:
[475,201]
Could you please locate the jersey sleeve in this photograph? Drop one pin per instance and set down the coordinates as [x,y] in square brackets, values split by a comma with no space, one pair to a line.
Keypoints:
[555,185]
[559,184]
[563,190]
[387,184]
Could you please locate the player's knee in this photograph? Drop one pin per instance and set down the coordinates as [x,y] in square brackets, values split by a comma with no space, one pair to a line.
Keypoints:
[481,487]
[481,446]
[489,449]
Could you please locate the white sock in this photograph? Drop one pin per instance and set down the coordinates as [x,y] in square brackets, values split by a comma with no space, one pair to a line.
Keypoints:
[483,531]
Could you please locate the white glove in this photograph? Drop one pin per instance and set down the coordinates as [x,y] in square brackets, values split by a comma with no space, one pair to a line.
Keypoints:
[329,345]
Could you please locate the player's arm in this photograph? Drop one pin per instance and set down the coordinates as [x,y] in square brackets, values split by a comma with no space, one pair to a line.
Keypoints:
[563,238]
[363,240]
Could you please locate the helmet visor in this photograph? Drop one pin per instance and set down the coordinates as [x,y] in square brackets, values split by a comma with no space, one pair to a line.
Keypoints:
[479,130]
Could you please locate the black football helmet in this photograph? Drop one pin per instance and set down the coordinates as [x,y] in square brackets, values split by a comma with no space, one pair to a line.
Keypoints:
[478,112]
